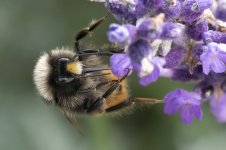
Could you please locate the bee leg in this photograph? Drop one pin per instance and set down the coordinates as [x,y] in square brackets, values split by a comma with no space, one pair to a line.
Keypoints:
[132,101]
[84,32]
[98,103]
[120,106]
[95,88]
[142,100]
[95,75]
[107,51]
[114,49]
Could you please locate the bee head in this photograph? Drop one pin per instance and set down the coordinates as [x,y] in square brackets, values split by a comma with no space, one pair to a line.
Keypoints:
[66,70]
[57,71]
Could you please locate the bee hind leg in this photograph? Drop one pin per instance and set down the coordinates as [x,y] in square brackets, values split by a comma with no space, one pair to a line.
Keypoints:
[132,101]
[142,100]
[97,104]
[122,105]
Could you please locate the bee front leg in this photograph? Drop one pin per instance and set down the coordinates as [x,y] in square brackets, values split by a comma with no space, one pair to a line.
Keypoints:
[106,52]
[84,32]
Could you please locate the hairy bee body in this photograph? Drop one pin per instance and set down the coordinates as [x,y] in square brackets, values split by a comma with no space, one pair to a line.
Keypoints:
[78,95]
[78,83]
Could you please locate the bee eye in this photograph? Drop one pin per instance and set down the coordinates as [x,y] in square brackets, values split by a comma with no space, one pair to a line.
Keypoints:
[62,76]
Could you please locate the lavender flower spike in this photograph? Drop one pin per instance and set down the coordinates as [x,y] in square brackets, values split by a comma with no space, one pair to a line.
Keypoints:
[126,10]
[184,102]
[214,58]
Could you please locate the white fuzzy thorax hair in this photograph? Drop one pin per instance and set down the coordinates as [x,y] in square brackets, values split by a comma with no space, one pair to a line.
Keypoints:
[43,70]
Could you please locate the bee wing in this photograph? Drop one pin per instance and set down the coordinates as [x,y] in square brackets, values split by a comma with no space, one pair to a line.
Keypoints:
[72,119]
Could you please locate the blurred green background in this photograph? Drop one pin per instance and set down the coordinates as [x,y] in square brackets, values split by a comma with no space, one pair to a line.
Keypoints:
[29,27]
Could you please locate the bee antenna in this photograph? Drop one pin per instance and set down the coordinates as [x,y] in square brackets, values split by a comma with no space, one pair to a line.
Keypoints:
[94,69]
[84,32]
[95,75]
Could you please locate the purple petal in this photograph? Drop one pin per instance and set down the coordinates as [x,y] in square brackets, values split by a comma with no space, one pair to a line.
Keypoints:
[212,58]
[221,10]
[195,30]
[185,97]
[172,95]
[118,34]
[206,65]
[222,56]
[120,63]
[171,10]
[174,57]
[146,80]
[125,11]
[186,114]
[197,112]
[138,50]
[218,66]
[171,107]
[132,32]
[147,29]
[171,31]
[151,3]
[214,36]
[171,104]
[149,71]
[218,107]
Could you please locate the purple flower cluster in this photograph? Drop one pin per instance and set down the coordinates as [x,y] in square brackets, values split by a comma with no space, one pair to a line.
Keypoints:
[184,40]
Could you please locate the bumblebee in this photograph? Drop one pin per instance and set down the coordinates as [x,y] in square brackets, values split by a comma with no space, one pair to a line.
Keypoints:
[78,83]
